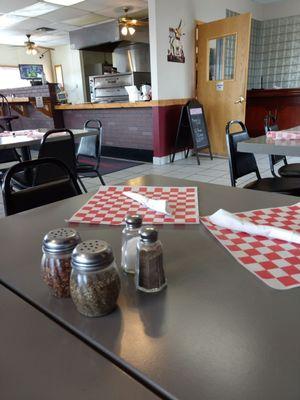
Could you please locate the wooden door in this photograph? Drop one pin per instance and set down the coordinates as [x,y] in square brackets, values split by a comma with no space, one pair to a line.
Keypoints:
[222,73]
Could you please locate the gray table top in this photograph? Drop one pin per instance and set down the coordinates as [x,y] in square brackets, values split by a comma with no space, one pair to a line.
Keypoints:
[41,360]
[264,145]
[9,142]
[216,332]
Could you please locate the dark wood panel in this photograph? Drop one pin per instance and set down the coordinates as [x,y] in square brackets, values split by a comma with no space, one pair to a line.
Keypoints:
[259,102]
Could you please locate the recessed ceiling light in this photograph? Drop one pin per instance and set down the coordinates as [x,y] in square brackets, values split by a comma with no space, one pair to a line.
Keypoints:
[64,2]
[7,20]
[35,10]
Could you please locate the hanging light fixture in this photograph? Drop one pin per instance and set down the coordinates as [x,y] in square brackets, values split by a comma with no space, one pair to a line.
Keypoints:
[124,30]
[30,46]
[131,30]
[127,23]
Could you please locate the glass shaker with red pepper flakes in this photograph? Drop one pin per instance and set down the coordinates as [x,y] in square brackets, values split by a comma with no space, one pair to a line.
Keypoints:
[58,245]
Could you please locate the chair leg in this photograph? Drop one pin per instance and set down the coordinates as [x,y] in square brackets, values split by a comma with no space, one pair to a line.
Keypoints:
[273,171]
[100,177]
[82,185]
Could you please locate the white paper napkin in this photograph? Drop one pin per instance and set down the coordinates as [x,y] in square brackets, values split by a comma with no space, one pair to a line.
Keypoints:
[160,206]
[230,221]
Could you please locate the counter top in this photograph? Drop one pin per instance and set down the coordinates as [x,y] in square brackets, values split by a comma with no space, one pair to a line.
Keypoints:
[139,104]
[18,99]
[273,92]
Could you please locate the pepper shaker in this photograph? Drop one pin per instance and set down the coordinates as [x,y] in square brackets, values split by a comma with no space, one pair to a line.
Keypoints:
[58,245]
[150,275]
[95,282]
[130,237]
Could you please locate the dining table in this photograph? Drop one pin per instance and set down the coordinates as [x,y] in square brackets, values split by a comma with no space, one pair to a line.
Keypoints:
[216,331]
[266,145]
[41,360]
[24,139]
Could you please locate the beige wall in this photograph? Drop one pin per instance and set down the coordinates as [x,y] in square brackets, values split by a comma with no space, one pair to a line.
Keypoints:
[13,55]
[281,9]
[71,62]
[174,80]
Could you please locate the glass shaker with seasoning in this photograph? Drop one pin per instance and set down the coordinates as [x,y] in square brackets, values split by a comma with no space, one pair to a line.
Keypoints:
[58,245]
[130,237]
[95,282]
[150,275]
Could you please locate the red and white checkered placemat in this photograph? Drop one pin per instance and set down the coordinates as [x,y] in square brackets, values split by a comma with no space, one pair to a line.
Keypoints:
[109,206]
[275,262]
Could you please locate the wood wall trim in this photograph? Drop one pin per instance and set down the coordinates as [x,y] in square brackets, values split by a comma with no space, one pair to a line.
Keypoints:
[142,104]
[263,93]
[18,99]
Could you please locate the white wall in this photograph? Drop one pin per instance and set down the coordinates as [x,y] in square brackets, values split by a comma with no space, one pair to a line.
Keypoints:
[12,56]
[282,9]
[174,80]
[71,62]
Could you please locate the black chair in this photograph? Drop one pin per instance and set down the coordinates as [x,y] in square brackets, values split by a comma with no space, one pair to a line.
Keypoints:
[6,115]
[286,170]
[241,164]
[39,194]
[89,152]
[63,148]
[6,156]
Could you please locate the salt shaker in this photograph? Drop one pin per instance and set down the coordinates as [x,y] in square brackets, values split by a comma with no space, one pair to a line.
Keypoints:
[95,282]
[130,237]
[58,245]
[150,275]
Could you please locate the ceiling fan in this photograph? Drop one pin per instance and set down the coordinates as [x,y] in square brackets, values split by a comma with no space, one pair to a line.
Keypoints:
[31,47]
[128,24]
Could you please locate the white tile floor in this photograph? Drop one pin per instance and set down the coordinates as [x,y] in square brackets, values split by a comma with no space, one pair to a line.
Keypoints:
[214,171]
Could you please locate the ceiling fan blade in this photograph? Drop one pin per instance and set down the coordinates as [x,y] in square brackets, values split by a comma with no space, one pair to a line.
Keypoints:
[137,23]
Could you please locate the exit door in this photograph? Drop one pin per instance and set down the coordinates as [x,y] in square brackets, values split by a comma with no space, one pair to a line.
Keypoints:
[222,73]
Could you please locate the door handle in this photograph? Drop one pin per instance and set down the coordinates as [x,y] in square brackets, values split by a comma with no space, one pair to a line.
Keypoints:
[240,100]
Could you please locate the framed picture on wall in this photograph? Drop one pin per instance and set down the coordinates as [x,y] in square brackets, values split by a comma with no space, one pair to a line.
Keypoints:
[175,51]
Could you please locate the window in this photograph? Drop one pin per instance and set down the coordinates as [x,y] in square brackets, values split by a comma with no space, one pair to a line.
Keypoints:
[10,78]
[222,58]
[59,75]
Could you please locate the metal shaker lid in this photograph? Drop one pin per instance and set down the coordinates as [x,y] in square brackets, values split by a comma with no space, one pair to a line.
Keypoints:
[61,240]
[134,221]
[92,255]
[148,234]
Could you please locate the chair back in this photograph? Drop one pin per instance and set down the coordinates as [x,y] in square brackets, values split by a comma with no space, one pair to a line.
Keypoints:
[270,124]
[90,146]
[62,148]
[36,196]
[8,155]
[240,164]
[4,106]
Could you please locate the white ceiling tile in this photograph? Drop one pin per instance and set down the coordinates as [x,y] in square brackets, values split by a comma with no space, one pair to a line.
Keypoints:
[86,20]
[61,26]
[30,24]
[12,5]
[35,10]
[91,5]
[64,13]
[64,19]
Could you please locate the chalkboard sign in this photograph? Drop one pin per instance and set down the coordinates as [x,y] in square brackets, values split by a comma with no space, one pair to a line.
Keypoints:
[192,130]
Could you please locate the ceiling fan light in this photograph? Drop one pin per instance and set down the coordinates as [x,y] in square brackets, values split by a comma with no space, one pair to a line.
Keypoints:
[28,51]
[33,52]
[131,30]
[124,31]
